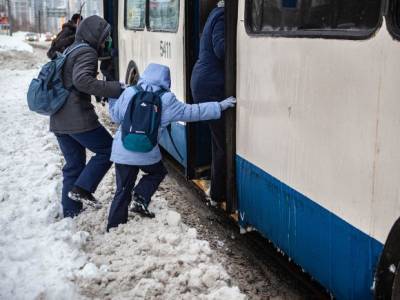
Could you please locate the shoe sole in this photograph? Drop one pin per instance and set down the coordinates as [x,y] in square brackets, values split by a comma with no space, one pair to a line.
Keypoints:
[74,197]
[84,201]
[142,214]
[91,204]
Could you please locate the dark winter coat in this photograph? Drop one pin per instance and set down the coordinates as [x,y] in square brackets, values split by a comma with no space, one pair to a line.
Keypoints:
[63,40]
[79,72]
[208,79]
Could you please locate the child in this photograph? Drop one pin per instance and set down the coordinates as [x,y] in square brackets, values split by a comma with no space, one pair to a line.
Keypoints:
[128,163]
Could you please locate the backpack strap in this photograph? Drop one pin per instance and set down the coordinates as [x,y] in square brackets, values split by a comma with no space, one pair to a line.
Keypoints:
[69,50]
[169,130]
[138,88]
[160,93]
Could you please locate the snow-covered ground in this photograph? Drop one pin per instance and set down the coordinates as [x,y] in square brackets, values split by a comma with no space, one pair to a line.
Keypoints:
[43,256]
[37,251]
[14,43]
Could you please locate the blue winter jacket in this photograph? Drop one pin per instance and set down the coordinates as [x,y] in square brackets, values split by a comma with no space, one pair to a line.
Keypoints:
[154,78]
[208,78]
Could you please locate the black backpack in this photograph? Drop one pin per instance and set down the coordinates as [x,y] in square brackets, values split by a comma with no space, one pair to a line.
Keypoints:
[142,120]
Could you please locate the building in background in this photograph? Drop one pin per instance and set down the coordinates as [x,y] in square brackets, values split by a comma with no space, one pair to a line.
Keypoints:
[91,7]
[46,15]
[4,21]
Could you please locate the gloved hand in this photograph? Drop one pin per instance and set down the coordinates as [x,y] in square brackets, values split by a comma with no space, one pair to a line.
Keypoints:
[227,103]
[101,100]
[123,85]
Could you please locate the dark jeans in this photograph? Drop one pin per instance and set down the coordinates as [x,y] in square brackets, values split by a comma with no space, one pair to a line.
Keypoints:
[218,164]
[126,178]
[75,171]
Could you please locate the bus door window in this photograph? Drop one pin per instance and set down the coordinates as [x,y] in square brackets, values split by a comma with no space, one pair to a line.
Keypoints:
[164,15]
[313,17]
[393,18]
[135,14]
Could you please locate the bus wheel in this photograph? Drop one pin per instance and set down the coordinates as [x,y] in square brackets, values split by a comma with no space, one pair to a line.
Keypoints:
[387,278]
[132,74]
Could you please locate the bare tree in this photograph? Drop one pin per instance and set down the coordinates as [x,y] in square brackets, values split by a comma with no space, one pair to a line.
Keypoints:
[10,18]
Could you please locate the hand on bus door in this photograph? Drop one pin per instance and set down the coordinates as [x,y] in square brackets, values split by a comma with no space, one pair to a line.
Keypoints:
[227,103]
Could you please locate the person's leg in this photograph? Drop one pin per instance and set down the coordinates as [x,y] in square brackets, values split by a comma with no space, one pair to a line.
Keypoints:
[98,141]
[218,164]
[149,183]
[125,178]
[75,159]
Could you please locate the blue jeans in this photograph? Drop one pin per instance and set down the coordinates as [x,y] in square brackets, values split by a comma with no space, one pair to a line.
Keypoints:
[75,171]
[126,178]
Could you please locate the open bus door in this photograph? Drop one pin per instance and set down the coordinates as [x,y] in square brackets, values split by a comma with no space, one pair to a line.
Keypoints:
[110,14]
[231,19]
[198,134]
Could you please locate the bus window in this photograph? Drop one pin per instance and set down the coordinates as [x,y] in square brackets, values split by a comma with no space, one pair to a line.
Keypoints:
[313,17]
[393,19]
[164,15]
[135,14]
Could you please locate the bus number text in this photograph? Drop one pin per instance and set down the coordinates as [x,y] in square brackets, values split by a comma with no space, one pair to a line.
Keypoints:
[165,49]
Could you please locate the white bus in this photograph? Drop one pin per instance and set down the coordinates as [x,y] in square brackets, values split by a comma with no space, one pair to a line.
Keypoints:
[314,144]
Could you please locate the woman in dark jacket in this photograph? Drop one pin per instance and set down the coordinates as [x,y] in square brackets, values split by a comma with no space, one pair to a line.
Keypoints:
[65,38]
[208,84]
[76,124]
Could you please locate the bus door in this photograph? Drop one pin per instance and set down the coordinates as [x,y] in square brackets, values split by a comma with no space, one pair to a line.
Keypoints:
[110,12]
[231,21]
[198,134]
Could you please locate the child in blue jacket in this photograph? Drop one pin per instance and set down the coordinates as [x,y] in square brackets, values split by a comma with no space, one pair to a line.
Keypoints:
[128,163]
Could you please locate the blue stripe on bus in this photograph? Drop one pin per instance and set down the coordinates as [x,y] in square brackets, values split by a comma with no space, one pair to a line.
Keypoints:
[338,255]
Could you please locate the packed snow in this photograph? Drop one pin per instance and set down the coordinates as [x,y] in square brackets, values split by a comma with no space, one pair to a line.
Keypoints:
[14,43]
[43,256]
[37,250]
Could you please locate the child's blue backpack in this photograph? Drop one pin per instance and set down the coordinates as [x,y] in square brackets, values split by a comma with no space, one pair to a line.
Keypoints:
[141,121]
[47,94]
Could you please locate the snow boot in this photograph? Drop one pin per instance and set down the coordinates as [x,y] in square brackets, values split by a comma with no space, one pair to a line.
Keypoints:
[80,195]
[137,205]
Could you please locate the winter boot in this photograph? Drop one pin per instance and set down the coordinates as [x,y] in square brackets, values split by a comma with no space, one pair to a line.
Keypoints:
[80,195]
[138,206]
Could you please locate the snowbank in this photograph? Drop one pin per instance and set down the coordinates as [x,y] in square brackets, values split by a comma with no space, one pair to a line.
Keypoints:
[20,35]
[45,257]
[38,253]
[14,43]
[159,258]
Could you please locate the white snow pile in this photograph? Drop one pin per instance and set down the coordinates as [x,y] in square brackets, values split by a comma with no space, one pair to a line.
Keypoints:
[14,43]
[37,252]
[157,258]
[45,257]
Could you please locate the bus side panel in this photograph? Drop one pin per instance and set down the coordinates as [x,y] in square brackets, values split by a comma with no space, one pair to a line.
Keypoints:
[319,160]
[338,255]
